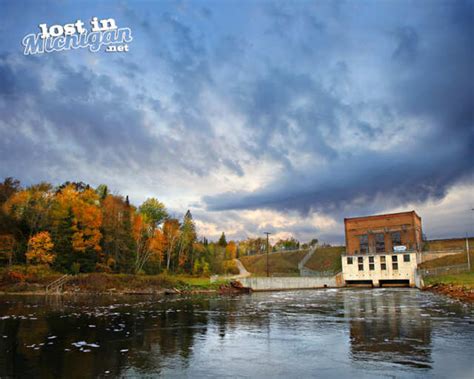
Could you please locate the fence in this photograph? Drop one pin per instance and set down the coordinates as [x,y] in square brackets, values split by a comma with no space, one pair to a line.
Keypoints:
[455,269]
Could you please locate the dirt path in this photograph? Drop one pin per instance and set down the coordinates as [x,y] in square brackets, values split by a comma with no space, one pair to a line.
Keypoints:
[243,271]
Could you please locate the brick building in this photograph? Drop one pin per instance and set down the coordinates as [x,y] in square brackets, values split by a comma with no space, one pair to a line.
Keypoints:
[381,233]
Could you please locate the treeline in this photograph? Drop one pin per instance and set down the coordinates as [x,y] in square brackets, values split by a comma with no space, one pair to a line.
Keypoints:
[76,228]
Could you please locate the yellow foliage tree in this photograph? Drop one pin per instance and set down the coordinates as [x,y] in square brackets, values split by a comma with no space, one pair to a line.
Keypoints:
[231,250]
[40,249]
[87,217]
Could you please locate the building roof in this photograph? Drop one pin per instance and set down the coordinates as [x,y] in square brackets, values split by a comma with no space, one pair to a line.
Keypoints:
[381,216]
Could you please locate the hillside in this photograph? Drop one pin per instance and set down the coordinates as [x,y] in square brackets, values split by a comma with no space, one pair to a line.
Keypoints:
[450,260]
[281,263]
[326,259]
[448,244]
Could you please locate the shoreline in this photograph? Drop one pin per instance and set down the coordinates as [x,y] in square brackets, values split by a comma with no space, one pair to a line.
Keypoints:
[457,292]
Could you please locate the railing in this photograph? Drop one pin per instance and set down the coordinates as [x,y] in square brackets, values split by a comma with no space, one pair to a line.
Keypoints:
[308,272]
[455,269]
[57,285]
[276,252]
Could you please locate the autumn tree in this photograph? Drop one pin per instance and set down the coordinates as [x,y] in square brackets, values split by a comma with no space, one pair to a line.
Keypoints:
[153,212]
[231,250]
[117,239]
[82,203]
[40,249]
[171,231]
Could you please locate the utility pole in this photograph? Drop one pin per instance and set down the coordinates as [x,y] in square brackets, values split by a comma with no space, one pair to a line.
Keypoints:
[467,249]
[467,252]
[268,251]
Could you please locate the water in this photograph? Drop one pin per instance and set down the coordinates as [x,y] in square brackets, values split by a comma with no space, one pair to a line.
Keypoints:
[326,333]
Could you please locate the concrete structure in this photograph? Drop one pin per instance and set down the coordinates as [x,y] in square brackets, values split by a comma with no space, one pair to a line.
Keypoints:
[380,269]
[382,249]
[291,283]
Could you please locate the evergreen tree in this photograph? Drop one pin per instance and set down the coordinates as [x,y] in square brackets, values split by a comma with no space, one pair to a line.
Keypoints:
[222,240]
[62,238]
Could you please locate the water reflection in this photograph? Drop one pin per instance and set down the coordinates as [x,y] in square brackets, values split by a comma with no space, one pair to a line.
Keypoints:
[385,328]
[343,332]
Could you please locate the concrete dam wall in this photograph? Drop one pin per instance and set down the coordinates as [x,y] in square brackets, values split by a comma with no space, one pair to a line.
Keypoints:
[290,283]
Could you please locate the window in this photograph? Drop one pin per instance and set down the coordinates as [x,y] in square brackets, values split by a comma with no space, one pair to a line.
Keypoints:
[383,266]
[364,243]
[379,243]
[406,257]
[371,266]
[371,259]
[349,260]
[382,259]
[395,265]
[394,258]
[360,259]
[361,267]
[396,239]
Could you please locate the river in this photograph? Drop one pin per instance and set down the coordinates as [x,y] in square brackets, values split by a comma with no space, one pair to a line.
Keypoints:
[357,333]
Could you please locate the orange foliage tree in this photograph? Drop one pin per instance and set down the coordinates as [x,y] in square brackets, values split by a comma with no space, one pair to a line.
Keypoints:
[40,249]
[87,217]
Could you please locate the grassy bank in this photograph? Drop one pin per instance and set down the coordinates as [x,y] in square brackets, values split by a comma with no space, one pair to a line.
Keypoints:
[450,260]
[34,280]
[326,259]
[281,263]
[465,280]
[459,286]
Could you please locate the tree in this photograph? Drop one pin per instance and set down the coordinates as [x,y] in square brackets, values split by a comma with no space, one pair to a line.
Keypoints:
[40,249]
[171,232]
[231,250]
[313,242]
[84,235]
[222,241]
[9,187]
[7,247]
[117,238]
[186,240]
[153,212]
[102,190]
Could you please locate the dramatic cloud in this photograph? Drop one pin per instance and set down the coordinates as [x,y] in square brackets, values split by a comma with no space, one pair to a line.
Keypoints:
[256,116]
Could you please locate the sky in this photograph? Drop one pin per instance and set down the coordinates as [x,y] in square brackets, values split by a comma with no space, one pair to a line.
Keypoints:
[257,116]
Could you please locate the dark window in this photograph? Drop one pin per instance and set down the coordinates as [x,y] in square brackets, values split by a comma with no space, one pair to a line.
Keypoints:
[396,239]
[379,243]
[382,259]
[383,266]
[395,265]
[349,260]
[364,243]
[360,259]
[371,259]
[406,257]
[371,266]
[361,267]
[394,258]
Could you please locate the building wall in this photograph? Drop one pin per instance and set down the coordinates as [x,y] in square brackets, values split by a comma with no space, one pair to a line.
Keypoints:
[404,271]
[407,223]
